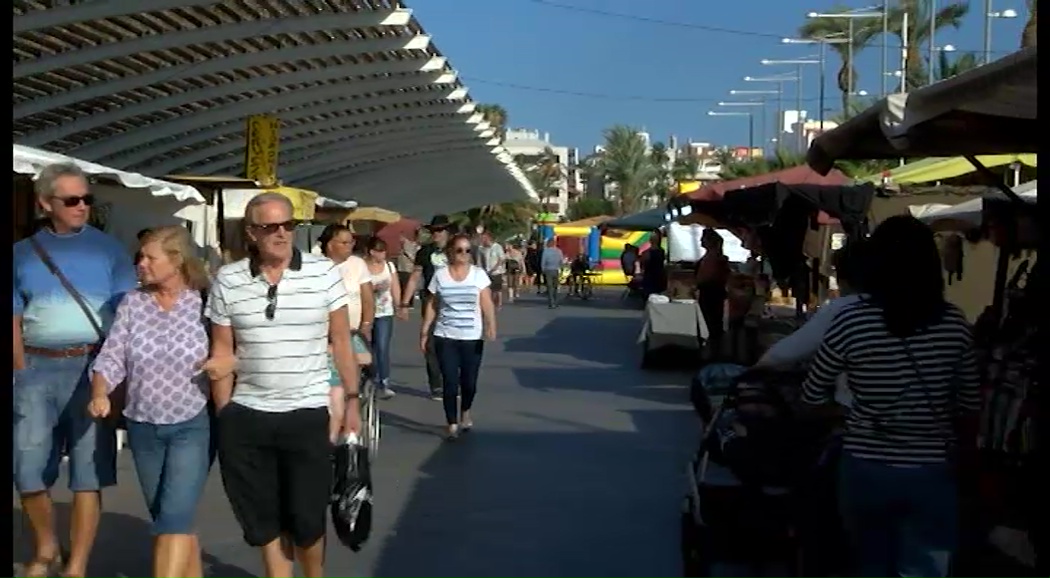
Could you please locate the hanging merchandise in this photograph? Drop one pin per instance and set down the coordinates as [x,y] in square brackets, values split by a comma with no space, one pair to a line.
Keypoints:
[953,257]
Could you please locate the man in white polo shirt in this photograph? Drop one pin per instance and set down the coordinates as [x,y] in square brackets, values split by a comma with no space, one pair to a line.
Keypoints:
[282,308]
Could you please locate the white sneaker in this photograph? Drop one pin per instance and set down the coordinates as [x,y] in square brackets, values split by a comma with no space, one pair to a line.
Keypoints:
[385,392]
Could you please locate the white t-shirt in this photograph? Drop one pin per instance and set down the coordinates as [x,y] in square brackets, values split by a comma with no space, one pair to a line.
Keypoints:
[459,303]
[283,362]
[492,255]
[355,273]
[381,288]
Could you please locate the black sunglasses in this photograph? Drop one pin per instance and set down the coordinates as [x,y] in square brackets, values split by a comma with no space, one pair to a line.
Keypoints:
[270,228]
[463,250]
[71,202]
[271,305]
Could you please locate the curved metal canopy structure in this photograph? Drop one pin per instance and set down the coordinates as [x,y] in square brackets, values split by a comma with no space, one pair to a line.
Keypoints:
[369,109]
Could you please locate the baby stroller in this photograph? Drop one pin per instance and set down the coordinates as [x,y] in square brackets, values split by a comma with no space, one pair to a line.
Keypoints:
[748,506]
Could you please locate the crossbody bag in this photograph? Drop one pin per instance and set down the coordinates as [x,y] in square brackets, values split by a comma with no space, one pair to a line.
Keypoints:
[119,394]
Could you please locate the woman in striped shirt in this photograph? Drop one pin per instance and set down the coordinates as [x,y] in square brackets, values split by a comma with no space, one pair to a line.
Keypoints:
[912,371]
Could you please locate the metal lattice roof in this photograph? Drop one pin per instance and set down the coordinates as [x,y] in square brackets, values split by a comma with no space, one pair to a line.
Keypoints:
[369,108]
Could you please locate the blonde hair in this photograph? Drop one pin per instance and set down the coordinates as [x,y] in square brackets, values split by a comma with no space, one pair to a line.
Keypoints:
[176,242]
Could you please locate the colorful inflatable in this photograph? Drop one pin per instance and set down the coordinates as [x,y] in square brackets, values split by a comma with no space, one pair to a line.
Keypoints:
[604,250]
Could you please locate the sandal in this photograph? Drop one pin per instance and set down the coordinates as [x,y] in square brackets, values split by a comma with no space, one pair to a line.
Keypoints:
[44,568]
[451,433]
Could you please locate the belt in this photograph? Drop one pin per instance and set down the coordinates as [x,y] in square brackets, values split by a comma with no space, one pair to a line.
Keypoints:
[74,351]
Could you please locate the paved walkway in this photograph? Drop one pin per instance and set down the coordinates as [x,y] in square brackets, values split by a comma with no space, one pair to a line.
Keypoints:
[575,467]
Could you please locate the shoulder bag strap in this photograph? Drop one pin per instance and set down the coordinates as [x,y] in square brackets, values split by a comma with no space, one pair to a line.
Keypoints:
[50,264]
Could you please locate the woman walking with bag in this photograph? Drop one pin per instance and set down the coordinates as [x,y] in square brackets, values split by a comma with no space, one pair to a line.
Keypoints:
[158,345]
[461,310]
[912,370]
[386,288]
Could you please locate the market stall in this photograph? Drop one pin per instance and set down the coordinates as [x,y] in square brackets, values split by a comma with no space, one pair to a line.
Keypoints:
[122,209]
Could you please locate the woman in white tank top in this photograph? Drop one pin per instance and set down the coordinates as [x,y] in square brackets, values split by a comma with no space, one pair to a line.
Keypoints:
[387,292]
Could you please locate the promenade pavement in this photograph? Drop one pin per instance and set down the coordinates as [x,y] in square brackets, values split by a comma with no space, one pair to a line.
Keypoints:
[575,466]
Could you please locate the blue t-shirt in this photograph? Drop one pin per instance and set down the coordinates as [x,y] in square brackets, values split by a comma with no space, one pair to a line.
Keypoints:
[96,264]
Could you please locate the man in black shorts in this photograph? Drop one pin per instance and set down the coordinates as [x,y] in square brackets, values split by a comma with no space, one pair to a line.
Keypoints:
[429,258]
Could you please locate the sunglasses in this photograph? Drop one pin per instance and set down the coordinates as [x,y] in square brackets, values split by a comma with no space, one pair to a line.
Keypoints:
[463,250]
[271,302]
[71,202]
[271,228]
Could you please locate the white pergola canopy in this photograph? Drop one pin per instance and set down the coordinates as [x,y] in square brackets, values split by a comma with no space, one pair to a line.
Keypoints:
[991,109]
[369,109]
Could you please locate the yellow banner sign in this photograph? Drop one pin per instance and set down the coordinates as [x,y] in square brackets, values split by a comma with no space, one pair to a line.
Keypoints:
[260,162]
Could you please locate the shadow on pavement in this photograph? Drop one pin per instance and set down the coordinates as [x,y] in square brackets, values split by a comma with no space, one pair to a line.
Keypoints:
[598,503]
[638,384]
[124,546]
[585,338]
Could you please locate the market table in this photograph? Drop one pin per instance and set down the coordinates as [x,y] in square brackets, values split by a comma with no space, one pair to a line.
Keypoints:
[678,324]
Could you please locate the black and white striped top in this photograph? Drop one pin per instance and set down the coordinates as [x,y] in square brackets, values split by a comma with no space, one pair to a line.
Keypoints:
[902,409]
[282,362]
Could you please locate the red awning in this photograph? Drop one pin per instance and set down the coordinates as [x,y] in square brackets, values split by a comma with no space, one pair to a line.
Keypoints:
[800,175]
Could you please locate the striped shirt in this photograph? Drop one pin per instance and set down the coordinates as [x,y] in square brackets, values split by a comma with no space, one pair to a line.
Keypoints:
[459,303]
[282,362]
[905,390]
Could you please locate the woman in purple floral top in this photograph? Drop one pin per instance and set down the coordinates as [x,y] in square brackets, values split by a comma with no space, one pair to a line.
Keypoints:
[158,346]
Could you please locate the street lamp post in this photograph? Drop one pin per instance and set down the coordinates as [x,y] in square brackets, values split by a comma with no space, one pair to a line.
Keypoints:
[851,16]
[780,106]
[780,80]
[821,61]
[750,125]
[989,15]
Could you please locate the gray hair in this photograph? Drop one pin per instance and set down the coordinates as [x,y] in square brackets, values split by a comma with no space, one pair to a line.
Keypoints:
[45,182]
[262,199]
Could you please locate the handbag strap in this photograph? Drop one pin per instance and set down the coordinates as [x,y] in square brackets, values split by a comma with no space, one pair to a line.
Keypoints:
[926,392]
[50,264]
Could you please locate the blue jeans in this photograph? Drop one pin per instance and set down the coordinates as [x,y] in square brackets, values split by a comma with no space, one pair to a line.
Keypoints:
[460,362]
[903,521]
[382,333]
[172,462]
[51,396]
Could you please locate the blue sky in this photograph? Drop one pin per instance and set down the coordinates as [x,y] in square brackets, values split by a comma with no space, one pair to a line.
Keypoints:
[649,75]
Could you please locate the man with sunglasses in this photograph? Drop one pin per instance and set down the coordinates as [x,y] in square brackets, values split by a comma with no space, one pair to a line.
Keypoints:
[282,308]
[68,279]
[429,258]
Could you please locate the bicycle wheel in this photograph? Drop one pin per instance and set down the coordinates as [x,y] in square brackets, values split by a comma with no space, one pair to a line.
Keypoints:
[371,423]
[586,290]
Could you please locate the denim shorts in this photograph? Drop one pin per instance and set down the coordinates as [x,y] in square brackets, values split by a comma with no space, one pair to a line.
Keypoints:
[172,462]
[50,398]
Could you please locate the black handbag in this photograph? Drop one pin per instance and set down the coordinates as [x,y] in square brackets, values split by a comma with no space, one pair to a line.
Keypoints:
[351,499]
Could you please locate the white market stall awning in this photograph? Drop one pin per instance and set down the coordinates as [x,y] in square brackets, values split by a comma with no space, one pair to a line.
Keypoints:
[968,215]
[991,109]
[369,109]
[30,161]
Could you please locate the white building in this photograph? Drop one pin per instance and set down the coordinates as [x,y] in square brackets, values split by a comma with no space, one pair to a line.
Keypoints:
[797,130]
[530,147]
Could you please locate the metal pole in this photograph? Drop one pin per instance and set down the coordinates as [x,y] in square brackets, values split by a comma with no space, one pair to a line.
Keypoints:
[849,69]
[763,127]
[780,113]
[987,31]
[885,43]
[933,35]
[798,110]
[904,53]
[823,81]
[750,135]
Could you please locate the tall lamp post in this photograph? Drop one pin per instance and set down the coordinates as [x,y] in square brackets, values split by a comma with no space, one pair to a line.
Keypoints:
[989,16]
[780,107]
[780,80]
[799,63]
[822,61]
[851,16]
[750,127]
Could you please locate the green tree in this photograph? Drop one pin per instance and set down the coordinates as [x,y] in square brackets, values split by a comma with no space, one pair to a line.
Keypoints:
[586,207]
[661,161]
[496,116]
[625,163]
[919,31]
[864,30]
[685,168]
[947,68]
[545,173]
[502,220]
[1028,36]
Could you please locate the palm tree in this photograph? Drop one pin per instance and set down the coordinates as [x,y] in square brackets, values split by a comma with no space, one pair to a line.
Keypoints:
[625,163]
[685,168]
[496,116]
[919,32]
[947,68]
[864,30]
[1028,35]
[661,160]
[545,173]
[502,220]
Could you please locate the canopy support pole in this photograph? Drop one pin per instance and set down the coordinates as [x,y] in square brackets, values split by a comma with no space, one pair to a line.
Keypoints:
[993,179]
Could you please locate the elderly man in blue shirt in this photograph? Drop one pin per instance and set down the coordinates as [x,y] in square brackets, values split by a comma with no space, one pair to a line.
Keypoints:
[68,279]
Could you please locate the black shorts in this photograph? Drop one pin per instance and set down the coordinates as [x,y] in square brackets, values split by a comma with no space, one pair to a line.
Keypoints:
[496,283]
[277,471]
